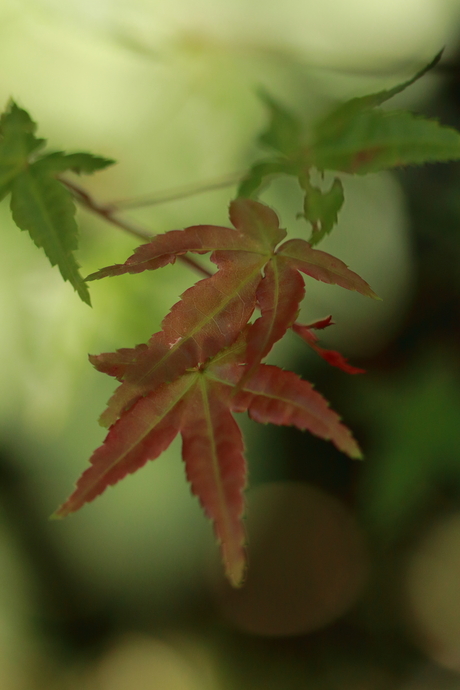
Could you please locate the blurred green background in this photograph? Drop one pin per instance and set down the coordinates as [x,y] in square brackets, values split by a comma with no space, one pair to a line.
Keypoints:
[354,578]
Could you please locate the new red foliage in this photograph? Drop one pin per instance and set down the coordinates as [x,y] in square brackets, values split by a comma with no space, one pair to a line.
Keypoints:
[199,405]
[205,364]
[253,271]
[331,356]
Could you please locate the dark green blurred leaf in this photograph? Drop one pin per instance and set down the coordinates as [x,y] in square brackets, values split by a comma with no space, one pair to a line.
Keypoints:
[76,162]
[339,119]
[284,129]
[376,140]
[283,136]
[419,442]
[261,174]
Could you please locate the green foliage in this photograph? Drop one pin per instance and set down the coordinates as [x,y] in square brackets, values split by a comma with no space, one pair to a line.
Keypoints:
[261,174]
[40,203]
[375,140]
[417,414]
[333,123]
[357,137]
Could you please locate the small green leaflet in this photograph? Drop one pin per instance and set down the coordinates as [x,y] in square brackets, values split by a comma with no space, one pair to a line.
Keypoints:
[40,204]
[357,137]
[321,209]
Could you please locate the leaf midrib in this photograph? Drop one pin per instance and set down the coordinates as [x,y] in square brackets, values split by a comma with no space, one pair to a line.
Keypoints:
[215,457]
[48,221]
[202,323]
[264,394]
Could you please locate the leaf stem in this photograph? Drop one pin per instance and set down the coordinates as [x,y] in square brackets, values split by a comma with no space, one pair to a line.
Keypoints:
[108,212]
[178,193]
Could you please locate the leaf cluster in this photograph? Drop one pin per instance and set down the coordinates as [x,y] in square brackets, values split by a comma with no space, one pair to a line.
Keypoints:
[357,137]
[206,363]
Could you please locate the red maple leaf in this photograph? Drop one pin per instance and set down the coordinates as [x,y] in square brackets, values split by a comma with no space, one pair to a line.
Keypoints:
[205,364]
[199,405]
[254,270]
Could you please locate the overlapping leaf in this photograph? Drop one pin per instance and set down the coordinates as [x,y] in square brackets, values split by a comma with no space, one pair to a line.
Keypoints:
[212,313]
[209,317]
[206,362]
[199,405]
[40,204]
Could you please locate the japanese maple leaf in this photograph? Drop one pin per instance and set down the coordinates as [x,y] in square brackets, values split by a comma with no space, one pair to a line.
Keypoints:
[199,405]
[331,356]
[254,268]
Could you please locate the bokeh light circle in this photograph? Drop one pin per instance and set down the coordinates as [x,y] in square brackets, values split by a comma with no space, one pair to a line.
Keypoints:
[307,562]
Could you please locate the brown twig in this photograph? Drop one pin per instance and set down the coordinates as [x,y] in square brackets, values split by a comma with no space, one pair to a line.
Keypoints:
[108,212]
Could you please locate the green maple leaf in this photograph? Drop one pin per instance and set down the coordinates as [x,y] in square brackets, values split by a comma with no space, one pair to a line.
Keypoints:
[40,203]
[356,137]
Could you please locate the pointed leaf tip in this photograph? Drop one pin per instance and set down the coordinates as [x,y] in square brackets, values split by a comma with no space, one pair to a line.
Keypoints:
[56,515]
[330,356]
[41,205]
[323,267]
[213,452]
[284,130]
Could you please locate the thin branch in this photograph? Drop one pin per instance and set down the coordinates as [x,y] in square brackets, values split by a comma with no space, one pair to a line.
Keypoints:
[109,214]
[105,211]
[178,193]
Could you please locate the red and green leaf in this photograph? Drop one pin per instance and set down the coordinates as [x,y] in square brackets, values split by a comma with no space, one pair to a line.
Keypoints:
[144,432]
[278,297]
[164,249]
[283,398]
[199,405]
[213,312]
[213,452]
[323,267]
[116,363]
[256,230]
[375,140]
[209,317]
